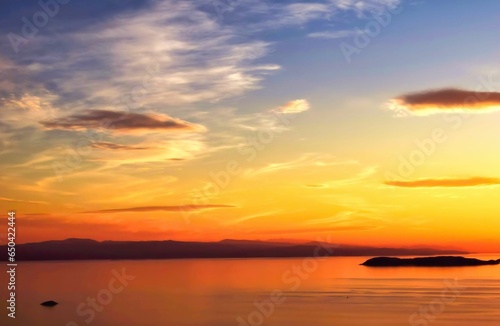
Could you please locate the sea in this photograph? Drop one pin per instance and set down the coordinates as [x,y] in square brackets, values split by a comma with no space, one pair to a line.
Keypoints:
[252,292]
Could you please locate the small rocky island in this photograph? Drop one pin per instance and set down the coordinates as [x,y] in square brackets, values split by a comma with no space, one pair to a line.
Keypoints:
[48,303]
[439,261]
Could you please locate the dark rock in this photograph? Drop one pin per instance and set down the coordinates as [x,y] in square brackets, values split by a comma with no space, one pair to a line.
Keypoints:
[439,261]
[48,303]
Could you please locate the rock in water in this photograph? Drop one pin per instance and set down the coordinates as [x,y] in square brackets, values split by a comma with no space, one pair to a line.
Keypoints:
[48,303]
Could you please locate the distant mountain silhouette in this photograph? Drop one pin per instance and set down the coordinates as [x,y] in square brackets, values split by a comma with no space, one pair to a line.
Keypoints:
[440,261]
[87,249]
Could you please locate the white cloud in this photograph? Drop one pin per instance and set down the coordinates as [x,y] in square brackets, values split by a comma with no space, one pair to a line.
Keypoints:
[361,7]
[332,34]
[295,106]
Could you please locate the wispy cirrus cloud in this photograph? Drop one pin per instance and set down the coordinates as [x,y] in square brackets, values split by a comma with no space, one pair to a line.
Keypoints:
[359,177]
[446,182]
[361,7]
[323,229]
[254,216]
[157,56]
[161,56]
[447,99]
[333,34]
[11,200]
[178,208]
[346,219]
[260,15]
[307,159]
[120,147]
[158,151]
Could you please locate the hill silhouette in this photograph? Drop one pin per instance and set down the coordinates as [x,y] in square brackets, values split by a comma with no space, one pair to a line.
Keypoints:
[88,249]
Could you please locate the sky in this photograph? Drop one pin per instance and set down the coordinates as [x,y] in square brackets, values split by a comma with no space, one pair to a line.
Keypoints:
[354,121]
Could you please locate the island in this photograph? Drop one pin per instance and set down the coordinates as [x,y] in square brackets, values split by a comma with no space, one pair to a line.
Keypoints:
[438,261]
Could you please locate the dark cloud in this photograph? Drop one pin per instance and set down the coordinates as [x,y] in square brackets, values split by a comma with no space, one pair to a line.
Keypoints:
[161,208]
[121,122]
[446,182]
[446,99]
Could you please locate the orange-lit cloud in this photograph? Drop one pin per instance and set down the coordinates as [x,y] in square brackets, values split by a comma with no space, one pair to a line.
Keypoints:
[113,146]
[316,186]
[122,122]
[113,154]
[295,106]
[161,208]
[320,229]
[22,201]
[27,102]
[304,160]
[446,182]
[435,101]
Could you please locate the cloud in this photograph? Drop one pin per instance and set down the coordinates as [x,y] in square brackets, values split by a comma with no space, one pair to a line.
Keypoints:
[179,208]
[152,151]
[361,176]
[364,7]
[333,34]
[122,122]
[316,186]
[161,55]
[300,13]
[295,106]
[22,201]
[27,102]
[346,219]
[112,146]
[307,159]
[254,16]
[321,229]
[254,216]
[442,100]
[446,182]
[27,109]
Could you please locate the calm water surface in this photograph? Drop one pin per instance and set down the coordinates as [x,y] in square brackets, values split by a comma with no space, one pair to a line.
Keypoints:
[200,292]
